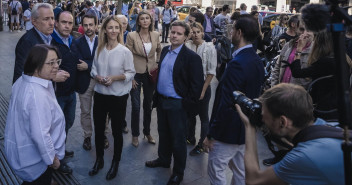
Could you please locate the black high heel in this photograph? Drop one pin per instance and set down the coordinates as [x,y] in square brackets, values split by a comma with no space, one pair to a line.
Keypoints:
[99,164]
[113,169]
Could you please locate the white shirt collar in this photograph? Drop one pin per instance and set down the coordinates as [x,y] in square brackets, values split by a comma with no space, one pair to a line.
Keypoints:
[33,79]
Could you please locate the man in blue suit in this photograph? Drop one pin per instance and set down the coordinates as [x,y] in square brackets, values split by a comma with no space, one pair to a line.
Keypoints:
[245,73]
[176,95]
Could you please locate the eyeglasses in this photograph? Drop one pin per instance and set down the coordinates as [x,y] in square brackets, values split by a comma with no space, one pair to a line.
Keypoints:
[285,19]
[53,62]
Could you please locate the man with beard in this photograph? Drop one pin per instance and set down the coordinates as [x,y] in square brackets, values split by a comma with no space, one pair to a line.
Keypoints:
[85,48]
[245,73]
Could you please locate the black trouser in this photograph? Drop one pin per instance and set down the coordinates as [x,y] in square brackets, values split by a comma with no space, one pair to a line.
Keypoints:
[172,128]
[116,107]
[148,89]
[44,179]
[156,26]
[204,119]
[165,32]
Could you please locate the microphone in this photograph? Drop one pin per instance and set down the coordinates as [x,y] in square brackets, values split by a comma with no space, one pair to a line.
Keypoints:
[315,17]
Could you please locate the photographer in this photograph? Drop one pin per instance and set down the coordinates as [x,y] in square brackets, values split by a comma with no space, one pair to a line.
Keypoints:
[287,111]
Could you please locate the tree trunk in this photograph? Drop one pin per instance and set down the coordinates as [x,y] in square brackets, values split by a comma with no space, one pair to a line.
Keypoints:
[119,7]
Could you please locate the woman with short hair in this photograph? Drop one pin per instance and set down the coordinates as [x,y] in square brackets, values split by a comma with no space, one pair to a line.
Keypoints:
[35,126]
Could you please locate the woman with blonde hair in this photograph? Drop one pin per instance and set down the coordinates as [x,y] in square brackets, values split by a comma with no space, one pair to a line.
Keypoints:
[145,46]
[206,51]
[113,70]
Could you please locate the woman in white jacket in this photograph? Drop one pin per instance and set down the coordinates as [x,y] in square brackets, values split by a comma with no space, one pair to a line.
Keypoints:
[207,52]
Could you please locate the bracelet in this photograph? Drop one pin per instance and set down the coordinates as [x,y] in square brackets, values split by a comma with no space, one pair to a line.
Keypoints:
[298,53]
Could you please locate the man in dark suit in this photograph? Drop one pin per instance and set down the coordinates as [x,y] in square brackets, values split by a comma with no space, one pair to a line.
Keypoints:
[65,91]
[43,21]
[84,48]
[177,94]
[245,73]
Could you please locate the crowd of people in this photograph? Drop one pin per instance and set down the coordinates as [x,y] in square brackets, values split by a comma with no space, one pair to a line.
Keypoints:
[118,56]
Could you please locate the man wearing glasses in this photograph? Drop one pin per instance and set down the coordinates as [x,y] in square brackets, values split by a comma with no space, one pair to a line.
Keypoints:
[208,24]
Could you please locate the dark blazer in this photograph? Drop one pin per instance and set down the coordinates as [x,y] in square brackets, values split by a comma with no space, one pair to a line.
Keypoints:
[244,73]
[187,76]
[69,64]
[26,42]
[82,51]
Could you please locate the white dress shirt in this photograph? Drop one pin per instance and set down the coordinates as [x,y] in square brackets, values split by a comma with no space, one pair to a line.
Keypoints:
[35,128]
[90,43]
[114,62]
[207,52]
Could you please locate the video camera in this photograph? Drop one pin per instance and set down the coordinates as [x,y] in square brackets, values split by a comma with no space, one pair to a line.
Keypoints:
[251,108]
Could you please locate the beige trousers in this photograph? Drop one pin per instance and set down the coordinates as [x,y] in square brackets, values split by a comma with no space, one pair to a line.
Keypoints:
[86,100]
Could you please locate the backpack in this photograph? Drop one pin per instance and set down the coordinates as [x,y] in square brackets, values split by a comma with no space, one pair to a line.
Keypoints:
[224,55]
[14,10]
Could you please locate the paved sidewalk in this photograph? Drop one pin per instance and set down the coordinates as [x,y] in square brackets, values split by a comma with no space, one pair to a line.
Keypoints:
[132,170]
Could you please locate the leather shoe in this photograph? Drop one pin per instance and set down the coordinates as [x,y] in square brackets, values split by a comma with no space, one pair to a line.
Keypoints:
[69,153]
[175,179]
[156,163]
[99,164]
[64,169]
[106,143]
[87,144]
[113,170]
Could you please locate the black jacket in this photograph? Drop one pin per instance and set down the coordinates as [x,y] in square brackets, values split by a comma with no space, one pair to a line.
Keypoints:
[188,77]
[26,42]
[69,64]
[82,51]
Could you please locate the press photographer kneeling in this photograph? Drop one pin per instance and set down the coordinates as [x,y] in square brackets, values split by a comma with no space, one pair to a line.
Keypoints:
[287,111]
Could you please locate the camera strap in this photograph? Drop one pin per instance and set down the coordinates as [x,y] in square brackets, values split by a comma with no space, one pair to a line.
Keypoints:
[319,131]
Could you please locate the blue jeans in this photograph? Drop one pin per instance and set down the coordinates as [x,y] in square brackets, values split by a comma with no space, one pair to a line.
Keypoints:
[68,106]
[148,89]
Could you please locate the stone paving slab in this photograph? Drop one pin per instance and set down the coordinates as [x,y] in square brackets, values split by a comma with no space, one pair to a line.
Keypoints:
[132,170]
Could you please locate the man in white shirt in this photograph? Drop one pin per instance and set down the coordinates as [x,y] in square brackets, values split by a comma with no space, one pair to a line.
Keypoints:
[15,10]
[27,17]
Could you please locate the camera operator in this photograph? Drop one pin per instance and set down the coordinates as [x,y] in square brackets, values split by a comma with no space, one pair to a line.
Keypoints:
[245,72]
[287,111]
